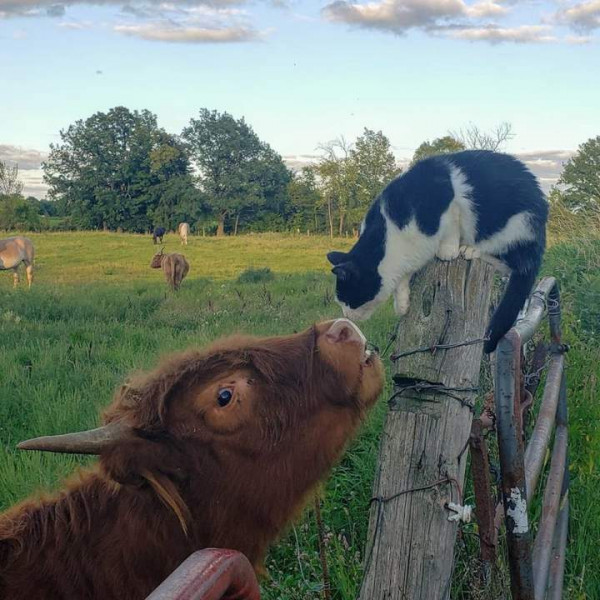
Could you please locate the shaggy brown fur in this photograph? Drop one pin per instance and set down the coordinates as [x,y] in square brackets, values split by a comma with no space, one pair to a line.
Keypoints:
[174,266]
[198,473]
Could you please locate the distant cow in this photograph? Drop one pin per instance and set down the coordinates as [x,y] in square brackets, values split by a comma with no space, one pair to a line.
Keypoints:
[13,252]
[174,266]
[218,447]
[184,231]
[157,234]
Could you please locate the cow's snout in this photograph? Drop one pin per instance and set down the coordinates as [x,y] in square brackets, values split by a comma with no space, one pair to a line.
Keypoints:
[345,331]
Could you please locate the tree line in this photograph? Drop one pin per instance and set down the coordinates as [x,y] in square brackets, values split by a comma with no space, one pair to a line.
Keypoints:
[120,171]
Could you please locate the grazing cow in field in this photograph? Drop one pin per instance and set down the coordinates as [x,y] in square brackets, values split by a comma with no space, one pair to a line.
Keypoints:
[13,252]
[214,448]
[157,234]
[184,231]
[174,266]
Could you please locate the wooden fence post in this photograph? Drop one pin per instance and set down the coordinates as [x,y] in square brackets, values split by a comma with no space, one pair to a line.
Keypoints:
[423,453]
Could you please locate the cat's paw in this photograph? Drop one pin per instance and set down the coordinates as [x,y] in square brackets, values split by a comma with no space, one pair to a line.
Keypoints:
[447,252]
[401,304]
[401,308]
[469,252]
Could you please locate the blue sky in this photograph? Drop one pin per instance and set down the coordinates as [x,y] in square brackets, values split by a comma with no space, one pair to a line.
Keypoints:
[305,72]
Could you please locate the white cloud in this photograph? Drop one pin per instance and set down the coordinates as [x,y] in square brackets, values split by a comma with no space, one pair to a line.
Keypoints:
[546,165]
[24,8]
[452,18]
[396,16]
[167,32]
[29,162]
[25,158]
[477,21]
[578,39]
[486,9]
[523,34]
[584,16]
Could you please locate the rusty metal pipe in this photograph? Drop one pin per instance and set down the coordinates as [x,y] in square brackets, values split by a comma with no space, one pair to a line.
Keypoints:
[510,446]
[210,574]
[557,566]
[540,437]
[484,502]
[542,548]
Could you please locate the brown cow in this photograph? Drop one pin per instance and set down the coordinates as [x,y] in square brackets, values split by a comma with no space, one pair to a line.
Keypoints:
[174,266]
[13,252]
[215,448]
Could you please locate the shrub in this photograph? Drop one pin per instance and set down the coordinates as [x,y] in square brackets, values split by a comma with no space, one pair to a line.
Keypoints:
[256,275]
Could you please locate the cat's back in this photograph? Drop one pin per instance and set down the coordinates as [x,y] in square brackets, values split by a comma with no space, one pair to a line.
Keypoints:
[501,186]
[494,176]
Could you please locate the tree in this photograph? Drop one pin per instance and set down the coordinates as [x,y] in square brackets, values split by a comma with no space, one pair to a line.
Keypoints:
[238,172]
[304,200]
[16,212]
[337,173]
[581,176]
[353,175]
[441,145]
[375,167]
[473,138]
[109,170]
[9,180]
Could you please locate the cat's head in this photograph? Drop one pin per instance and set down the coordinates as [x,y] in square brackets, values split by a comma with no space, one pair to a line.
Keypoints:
[359,289]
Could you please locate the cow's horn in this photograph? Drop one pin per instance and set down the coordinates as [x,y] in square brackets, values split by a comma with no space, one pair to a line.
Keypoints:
[92,441]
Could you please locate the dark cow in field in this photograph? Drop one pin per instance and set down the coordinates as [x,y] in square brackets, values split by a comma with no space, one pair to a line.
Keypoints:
[174,266]
[157,235]
[215,448]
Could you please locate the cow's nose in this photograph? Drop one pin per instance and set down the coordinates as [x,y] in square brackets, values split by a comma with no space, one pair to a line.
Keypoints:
[344,331]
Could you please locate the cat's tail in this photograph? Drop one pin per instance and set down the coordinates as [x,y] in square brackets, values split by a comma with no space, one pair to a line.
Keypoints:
[516,292]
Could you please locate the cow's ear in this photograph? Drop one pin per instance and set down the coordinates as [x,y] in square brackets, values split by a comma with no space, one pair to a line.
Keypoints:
[337,258]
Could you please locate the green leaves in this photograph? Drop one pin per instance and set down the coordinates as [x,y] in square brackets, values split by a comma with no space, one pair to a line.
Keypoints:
[442,145]
[112,169]
[237,171]
[581,175]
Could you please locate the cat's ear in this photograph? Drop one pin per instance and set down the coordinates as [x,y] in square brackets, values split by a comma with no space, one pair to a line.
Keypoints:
[337,258]
[344,271]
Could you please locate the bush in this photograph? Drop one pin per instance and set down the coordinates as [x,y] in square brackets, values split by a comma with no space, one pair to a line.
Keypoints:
[256,275]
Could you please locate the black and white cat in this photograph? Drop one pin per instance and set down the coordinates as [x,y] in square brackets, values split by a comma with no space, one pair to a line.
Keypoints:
[474,202]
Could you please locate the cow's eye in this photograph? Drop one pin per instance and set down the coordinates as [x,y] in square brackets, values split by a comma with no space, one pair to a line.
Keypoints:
[224,397]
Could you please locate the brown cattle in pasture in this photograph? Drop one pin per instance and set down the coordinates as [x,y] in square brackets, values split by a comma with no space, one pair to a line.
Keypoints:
[215,448]
[13,252]
[184,232]
[174,266]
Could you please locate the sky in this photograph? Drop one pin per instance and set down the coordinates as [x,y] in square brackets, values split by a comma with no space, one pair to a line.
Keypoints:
[304,72]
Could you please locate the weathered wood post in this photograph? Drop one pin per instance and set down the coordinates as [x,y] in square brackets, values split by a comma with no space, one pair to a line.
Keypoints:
[423,453]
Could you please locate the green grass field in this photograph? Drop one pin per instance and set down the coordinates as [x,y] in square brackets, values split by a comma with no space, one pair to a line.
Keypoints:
[97,312]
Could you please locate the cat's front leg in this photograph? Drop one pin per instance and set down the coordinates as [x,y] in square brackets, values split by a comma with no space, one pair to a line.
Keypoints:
[449,245]
[402,296]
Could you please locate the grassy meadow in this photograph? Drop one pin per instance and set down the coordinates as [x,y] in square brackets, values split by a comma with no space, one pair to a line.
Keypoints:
[97,312]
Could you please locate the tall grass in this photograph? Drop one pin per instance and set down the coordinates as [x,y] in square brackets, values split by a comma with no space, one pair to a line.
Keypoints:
[97,312]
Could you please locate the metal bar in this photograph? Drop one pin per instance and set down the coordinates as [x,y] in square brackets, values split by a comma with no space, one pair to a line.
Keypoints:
[542,432]
[538,302]
[484,502]
[210,574]
[554,314]
[557,566]
[542,548]
[510,445]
